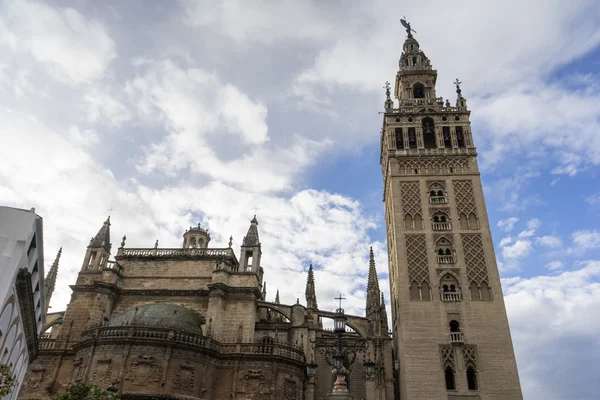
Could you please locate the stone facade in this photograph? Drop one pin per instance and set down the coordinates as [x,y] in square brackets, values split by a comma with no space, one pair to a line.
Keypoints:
[451,334]
[194,323]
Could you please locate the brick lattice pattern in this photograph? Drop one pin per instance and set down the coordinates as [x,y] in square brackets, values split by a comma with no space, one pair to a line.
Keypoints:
[411,198]
[465,200]
[416,254]
[474,258]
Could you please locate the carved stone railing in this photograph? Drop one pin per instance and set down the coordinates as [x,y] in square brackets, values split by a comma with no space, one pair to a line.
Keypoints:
[192,339]
[445,259]
[437,200]
[46,343]
[471,151]
[174,253]
[451,296]
[442,226]
[456,337]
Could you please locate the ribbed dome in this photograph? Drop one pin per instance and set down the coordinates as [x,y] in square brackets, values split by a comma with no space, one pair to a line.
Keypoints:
[160,315]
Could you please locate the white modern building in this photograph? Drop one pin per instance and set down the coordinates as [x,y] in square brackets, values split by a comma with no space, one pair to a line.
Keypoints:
[22,302]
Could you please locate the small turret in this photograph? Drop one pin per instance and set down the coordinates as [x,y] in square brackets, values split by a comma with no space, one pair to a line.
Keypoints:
[98,250]
[251,252]
[196,237]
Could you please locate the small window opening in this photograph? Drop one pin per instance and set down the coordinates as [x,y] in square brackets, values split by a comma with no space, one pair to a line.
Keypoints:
[399,138]
[416,171]
[472,378]
[454,326]
[412,138]
[449,375]
[92,257]
[451,170]
[447,137]
[460,138]
[414,60]
[429,133]
[418,89]
[249,262]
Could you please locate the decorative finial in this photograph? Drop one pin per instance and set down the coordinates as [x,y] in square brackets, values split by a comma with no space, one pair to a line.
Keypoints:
[198,225]
[156,244]
[340,299]
[406,24]
[123,241]
[230,241]
[447,103]
[110,210]
[387,89]
[297,300]
[457,83]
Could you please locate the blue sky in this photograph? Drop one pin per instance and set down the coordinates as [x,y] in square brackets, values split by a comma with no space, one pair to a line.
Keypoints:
[196,111]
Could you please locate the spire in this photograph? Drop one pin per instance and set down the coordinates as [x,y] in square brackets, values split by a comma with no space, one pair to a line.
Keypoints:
[102,238]
[50,281]
[373,292]
[277,297]
[264,291]
[251,239]
[311,295]
[373,282]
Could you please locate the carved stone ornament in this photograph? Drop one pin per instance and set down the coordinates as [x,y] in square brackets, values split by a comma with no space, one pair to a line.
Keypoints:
[35,378]
[103,370]
[77,371]
[144,372]
[290,390]
[185,377]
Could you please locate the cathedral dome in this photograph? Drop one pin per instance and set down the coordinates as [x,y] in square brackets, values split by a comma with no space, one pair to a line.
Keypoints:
[196,237]
[160,315]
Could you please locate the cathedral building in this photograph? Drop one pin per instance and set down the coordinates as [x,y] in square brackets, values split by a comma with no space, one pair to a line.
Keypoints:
[451,333]
[195,323]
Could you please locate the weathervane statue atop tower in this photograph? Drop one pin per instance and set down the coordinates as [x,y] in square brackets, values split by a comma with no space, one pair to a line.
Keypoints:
[409,30]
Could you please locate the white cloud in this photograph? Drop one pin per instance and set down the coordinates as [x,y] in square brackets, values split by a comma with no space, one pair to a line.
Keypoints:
[246,23]
[534,223]
[586,240]
[505,241]
[507,225]
[593,199]
[545,312]
[526,234]
[519,249]
[552,242]
[74,48]
[554,265]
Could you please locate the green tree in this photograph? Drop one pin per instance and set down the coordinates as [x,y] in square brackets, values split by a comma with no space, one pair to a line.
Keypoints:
[86,391]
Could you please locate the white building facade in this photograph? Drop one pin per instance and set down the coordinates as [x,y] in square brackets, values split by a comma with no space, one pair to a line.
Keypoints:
[22,301]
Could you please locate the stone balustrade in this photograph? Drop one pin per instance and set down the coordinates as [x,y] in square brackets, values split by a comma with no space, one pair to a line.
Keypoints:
[456,337]
[188,338]
[445,259]
[470,151]
[442,226]
[437,200]
[175,253]
[46,343]
[451,296]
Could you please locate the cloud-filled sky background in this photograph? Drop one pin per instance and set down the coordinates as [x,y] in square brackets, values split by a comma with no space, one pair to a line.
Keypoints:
[175,113]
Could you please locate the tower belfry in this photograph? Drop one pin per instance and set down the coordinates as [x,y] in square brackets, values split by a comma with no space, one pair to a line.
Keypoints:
[451,333]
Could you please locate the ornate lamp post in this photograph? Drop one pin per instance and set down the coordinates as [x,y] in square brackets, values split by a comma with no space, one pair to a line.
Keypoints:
[340,352]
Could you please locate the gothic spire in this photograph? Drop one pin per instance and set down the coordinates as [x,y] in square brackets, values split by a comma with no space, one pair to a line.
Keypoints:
[251,239]
[373,292]
[264,291]
[50,281]
[102,238]
[311,295]
[277,297]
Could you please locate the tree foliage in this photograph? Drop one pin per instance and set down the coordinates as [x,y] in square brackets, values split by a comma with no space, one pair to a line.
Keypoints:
[86,391]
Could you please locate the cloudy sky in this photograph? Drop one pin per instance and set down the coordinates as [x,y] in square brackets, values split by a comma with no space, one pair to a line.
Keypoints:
[174,113]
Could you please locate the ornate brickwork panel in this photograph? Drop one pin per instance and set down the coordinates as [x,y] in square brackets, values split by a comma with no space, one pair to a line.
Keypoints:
[474,258]
[290,389]
[470,356]
[465,200]
[447,354]
[411,198]
[433,166]
[416,255]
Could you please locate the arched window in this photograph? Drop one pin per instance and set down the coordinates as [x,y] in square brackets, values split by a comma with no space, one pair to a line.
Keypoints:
[412,138]
[486,293]
[441,222]
[444,249]
[436,194]
[449,375]
[447,137]
[454,326]
[428,133]
[474,289]
[193,242]
[460,137]
[472,378]
[418,89]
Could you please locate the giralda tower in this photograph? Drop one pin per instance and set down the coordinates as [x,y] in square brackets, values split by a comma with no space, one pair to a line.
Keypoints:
[451,334]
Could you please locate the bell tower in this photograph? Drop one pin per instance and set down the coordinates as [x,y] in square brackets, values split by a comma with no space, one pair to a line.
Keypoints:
[451,333]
